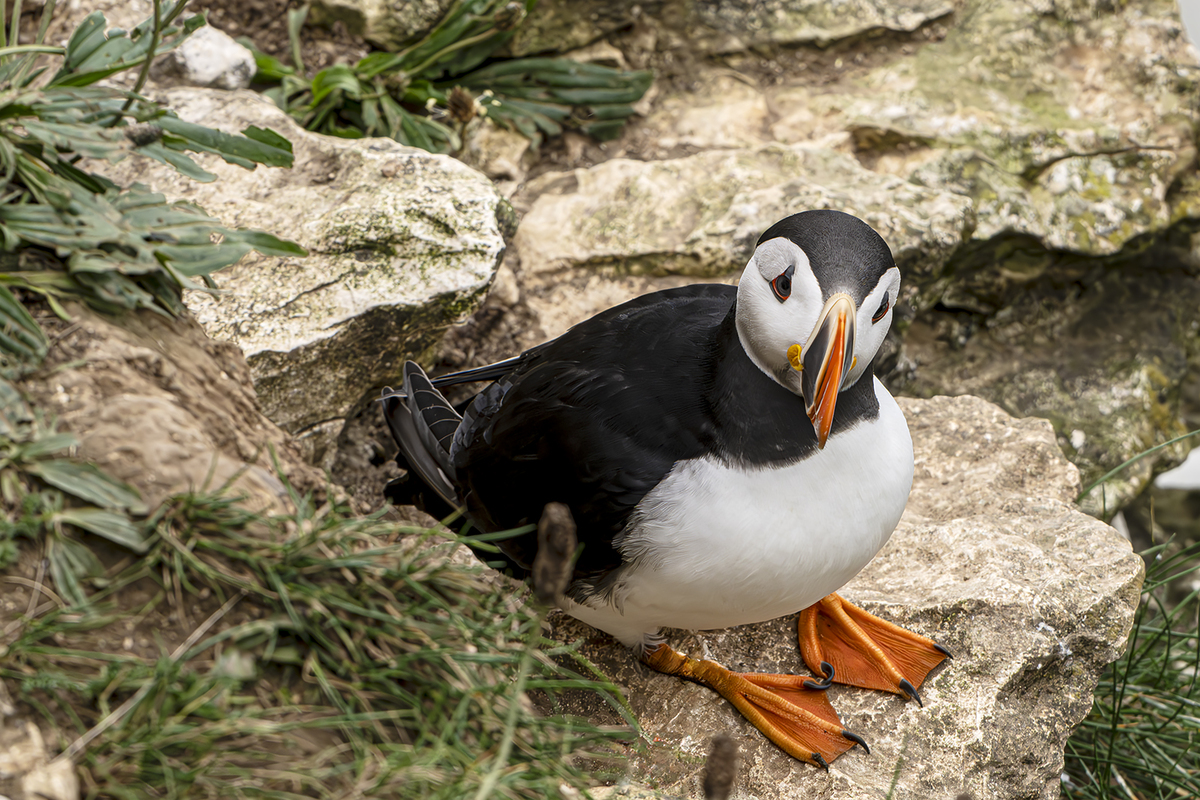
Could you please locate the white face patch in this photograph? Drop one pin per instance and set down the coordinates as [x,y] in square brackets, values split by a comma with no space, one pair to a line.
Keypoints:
[869,335]
[767,327]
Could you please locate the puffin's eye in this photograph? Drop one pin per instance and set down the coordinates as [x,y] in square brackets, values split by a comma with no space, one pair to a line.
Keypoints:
[882,311]
[782,285]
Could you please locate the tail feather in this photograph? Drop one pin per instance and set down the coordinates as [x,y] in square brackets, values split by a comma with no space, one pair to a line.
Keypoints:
[433,416]
[423,424]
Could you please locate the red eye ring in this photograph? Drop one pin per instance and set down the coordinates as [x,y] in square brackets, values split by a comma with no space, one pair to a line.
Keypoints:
[782,285]
[883,309]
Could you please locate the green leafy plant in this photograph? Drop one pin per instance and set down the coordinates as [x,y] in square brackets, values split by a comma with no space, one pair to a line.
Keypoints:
[403,94]
[69,233]
[1141,738]
[318,655]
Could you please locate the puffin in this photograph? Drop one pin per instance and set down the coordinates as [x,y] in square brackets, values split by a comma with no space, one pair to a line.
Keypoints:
[728,456]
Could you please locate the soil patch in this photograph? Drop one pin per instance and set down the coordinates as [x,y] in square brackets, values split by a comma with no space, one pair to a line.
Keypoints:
[264,22]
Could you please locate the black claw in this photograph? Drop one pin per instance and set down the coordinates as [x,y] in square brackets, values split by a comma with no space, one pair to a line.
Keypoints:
[858,740]
[942,650]
[910,691]
[821,762]
[826,668]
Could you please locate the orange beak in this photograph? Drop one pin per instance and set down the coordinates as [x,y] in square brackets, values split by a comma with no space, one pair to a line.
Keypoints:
[828,358]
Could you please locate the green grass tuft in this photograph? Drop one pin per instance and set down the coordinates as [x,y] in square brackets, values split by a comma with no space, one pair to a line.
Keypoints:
[308,655]
[1141,740]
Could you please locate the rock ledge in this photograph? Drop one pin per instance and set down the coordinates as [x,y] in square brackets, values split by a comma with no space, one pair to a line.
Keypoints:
[993,560]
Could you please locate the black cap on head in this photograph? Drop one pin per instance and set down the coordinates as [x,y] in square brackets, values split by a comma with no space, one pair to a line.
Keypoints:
[845,253]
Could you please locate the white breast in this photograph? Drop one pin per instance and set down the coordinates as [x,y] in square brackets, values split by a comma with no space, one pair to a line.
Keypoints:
[715,545]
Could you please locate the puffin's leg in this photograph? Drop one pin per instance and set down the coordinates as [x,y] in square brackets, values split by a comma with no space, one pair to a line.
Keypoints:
[785,708]
[865,650]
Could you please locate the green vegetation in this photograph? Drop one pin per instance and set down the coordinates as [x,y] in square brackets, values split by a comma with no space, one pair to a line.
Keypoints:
[322,655]
[401,94]
[68,233]
[43,490]
[1141,739]
[199,649]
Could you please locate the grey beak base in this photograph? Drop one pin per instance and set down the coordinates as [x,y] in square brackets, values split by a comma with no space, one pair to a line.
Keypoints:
[821,346]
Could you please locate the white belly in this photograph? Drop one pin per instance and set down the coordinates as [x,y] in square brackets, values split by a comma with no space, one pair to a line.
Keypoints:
[715,545]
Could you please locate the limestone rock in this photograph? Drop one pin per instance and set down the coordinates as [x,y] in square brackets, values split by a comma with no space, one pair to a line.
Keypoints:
[208,58]
[401,243]
[499,153]
[388,24]
[991,559]
[26,769]
[721,26]
[701,216]
[560,25]
[1074,128]
[1106,361]
[123,14]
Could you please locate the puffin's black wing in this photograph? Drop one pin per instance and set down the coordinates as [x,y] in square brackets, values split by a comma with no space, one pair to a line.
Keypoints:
[593,419]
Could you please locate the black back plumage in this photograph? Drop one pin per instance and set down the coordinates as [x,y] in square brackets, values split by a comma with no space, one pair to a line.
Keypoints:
[598,417]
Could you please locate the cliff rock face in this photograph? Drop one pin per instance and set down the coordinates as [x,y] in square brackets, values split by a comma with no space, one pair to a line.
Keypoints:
[991,559]
[1032,165]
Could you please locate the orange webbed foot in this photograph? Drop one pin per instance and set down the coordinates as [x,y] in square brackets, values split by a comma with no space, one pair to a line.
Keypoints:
[860,649]
[790,710]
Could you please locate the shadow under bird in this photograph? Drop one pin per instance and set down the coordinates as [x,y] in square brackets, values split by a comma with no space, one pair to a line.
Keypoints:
[728,457]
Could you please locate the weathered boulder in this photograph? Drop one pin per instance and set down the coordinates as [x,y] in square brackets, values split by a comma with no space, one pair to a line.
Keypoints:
[721,26]
[701,216]
[123,14]
[401,244]
[561,25]
[158,404]
[991,559]
[28,770]
[1033,166]
[724,26]
[1104,357]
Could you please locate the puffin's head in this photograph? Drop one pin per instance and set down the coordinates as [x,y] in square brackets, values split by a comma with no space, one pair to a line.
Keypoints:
[814,305]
